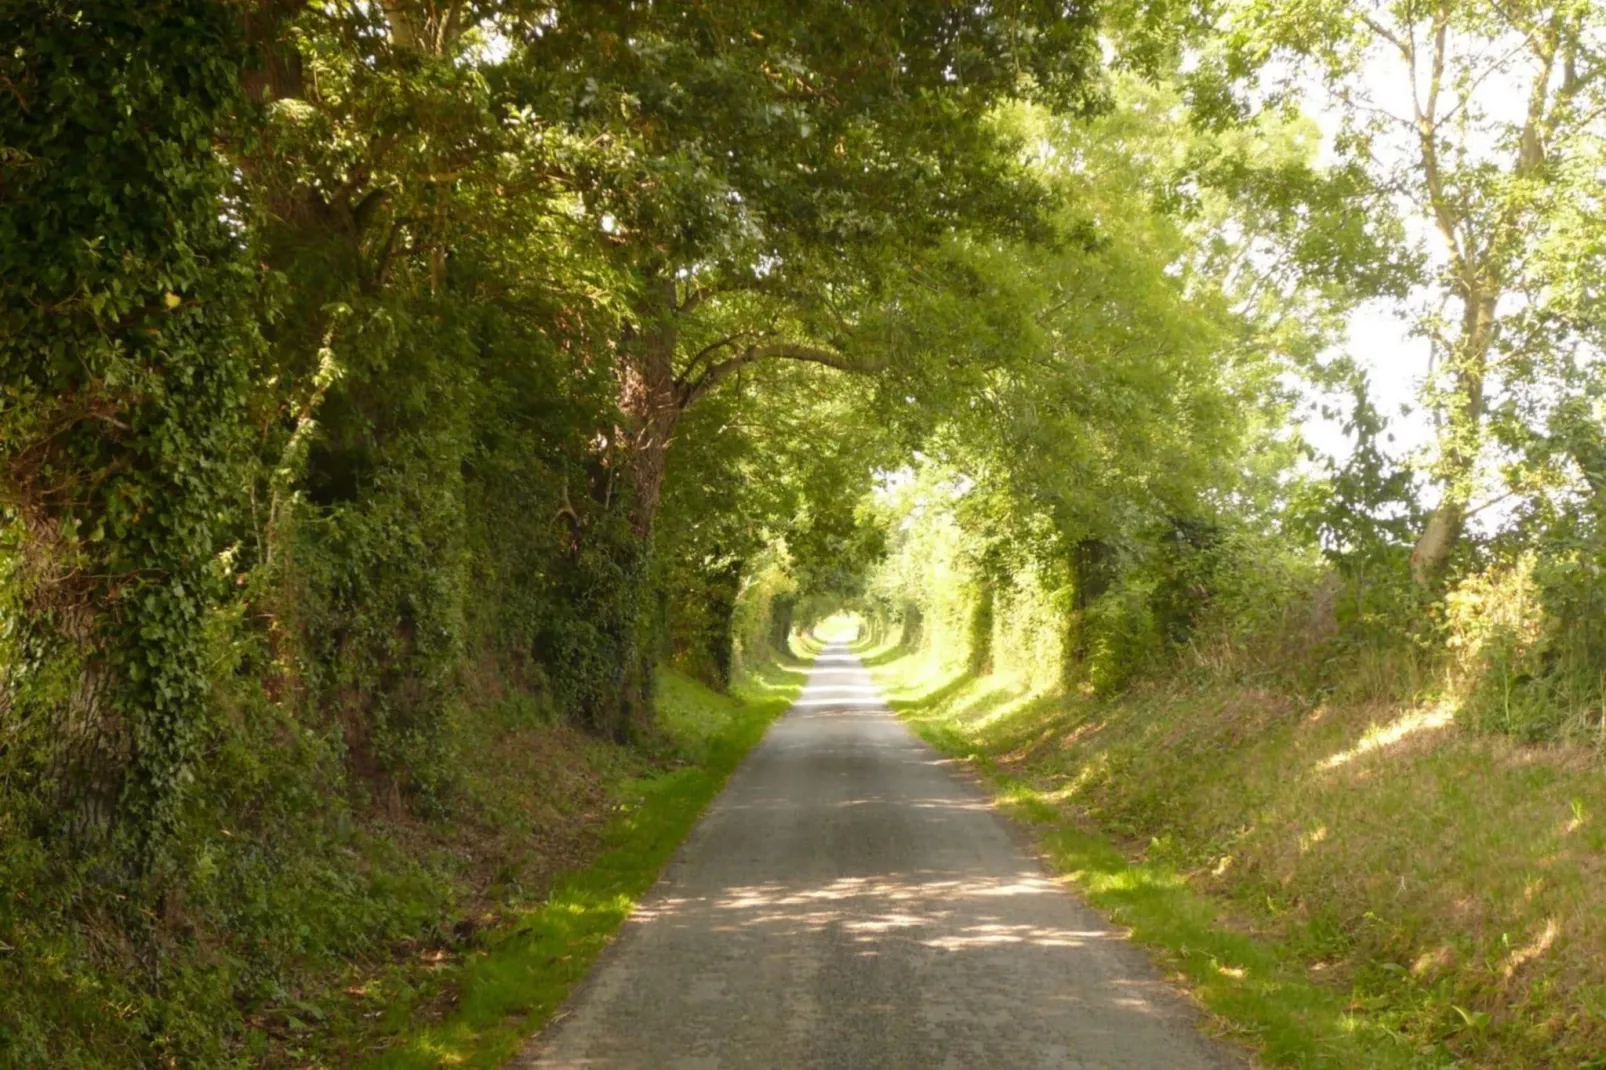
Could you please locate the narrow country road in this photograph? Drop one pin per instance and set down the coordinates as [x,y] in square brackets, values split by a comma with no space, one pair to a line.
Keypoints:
[850,901]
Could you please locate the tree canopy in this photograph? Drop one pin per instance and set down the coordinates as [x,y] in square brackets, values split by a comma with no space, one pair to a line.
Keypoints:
[353,354]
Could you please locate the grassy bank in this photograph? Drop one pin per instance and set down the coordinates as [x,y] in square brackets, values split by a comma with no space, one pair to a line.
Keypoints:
[1351,886]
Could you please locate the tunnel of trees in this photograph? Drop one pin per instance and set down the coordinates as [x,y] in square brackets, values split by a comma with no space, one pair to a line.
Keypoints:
[355,354]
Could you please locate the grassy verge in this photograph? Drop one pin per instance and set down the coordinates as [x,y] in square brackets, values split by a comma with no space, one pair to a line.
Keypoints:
[329,922]
[522,972]
[1344,887]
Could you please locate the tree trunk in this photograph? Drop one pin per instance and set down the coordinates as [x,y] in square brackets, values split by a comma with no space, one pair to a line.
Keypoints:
[1439,536]
[650,401]
[1461,439]
[980,661]
[121,471]
[1093,569]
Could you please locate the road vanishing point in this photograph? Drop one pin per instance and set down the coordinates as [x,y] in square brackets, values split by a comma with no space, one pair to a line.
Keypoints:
[851,900]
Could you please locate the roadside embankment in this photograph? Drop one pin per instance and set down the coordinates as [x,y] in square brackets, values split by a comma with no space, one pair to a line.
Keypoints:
[505,989]
[412,941]
[1339,885]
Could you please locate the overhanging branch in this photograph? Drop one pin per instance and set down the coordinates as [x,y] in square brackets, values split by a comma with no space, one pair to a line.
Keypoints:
[799,351]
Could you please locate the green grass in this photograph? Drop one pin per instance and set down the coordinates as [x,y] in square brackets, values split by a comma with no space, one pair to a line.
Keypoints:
[1257,995]
[509,989]
[1336,887]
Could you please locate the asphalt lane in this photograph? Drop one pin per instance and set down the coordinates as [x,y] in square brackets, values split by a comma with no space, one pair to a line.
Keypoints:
[850,900]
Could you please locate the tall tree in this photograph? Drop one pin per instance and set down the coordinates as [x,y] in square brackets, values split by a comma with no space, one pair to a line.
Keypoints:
[770,151]
[758,167]
[1482,119]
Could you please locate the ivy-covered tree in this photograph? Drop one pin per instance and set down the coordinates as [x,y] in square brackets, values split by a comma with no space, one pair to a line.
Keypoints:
[127,336]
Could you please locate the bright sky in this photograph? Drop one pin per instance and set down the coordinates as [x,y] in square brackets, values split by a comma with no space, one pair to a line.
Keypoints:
[1397,365]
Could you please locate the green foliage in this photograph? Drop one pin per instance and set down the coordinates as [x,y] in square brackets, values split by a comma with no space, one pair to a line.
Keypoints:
[1119,635]
[1366,510]
[1515,667]
[1258,839]
[1492,185]
[334,345]
[979,631]
[1257,987]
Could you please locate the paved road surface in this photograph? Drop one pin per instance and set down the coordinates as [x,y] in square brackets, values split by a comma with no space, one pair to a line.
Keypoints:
[851,901]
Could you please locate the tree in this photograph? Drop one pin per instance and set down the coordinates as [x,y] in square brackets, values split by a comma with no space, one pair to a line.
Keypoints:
[750,171]
[1480,119]
[1127,376]
[126,338]
[770,468]
[769,153]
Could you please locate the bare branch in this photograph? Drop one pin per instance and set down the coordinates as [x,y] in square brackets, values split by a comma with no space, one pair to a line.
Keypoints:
[1386,34]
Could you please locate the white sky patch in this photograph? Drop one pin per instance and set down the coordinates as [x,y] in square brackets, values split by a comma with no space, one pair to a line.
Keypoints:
[489,47]
[1396,362]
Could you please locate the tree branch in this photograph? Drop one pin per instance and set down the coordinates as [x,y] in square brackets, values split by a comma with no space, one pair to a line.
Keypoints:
[714,347]
[716,373]
[1383,31]
[1427,130]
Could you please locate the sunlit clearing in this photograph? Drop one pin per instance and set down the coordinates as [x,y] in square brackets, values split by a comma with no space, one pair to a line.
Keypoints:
[1431,719]
[839,628]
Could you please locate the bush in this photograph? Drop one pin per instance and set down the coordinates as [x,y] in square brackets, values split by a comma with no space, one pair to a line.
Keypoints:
[1525,657]
[1120,635]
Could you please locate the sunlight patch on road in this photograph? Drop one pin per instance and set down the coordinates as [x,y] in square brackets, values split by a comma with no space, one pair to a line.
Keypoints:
[942,912]
[839,695]
[999,935]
